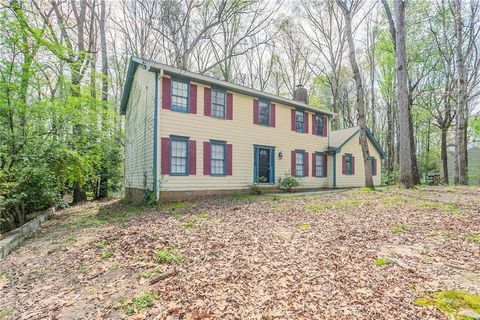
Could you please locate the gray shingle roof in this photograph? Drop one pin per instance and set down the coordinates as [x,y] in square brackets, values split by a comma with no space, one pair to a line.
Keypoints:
[339,137]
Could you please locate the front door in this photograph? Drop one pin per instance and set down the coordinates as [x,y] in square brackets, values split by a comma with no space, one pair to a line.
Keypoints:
[264,165]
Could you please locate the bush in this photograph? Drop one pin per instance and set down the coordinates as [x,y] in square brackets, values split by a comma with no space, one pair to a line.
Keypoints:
[254,190]
[289,182]
[33,189]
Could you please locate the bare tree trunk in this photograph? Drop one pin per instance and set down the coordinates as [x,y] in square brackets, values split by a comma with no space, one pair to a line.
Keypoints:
[405,152]
[443,155]
[360,94]
[413,146]
[390,142]
[371,51]
[103,188]
[462,95]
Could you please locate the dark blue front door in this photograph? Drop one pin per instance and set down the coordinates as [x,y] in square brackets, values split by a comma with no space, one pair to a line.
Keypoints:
[264,165]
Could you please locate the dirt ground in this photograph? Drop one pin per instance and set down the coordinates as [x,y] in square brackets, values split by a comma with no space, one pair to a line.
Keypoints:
[348,255]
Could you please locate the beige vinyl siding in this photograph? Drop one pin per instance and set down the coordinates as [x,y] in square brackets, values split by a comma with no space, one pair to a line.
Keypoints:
[243,135]
[358,179]
[139,131]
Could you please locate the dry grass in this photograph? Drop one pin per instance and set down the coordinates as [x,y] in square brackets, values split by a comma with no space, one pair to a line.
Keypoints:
[314,257]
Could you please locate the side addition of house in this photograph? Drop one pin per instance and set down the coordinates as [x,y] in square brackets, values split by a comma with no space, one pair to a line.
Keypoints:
[188,134]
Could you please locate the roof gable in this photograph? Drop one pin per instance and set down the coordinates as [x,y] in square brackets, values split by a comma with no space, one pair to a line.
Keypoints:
[339,138]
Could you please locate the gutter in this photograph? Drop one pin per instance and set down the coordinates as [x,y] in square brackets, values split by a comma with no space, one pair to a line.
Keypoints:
[165,69]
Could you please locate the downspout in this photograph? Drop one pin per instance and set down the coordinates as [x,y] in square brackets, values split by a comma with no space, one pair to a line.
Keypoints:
[334,154]
[155,137]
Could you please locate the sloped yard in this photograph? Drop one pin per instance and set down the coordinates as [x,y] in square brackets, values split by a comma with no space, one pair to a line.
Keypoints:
[346,255]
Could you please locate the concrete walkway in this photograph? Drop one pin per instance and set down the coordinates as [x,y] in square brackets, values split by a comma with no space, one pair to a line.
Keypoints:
[308,193]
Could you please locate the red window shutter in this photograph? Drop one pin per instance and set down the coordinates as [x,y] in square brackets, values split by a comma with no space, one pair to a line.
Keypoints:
[292,164]
[293,120]
[305,165]
[165,156]
[272,115]
[325,165]
[325,126]
[229,154]
[353,165]
[314,162]
[255,111]
[314,124]
[193,98]
[305,127]
[344,167]
[206,158]
[374,167]
[192,157]
[166,93]
[229,106]
[207,101]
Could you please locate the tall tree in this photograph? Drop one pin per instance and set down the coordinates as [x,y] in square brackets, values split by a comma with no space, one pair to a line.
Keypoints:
[103,187]
[348,12]
[405,154]
[461,96]
[328,39]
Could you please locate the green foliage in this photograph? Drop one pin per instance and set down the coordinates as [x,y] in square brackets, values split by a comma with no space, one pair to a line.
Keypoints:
[289,182]
[189,224]
[102,244]
[475,124]
[341,205]
[53,136]
[168,256]
[24,190]
[107,254]
[176,205]
[6,312]
[401,227]
[439,206]
[141,302]
[254,190]
[474,238]
[381,262]
[305,226]
[451,302]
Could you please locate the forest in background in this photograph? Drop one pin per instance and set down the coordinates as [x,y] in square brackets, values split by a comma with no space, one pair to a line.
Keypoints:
[63,64]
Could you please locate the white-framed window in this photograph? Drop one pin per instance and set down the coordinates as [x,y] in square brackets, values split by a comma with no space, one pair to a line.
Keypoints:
[218,103]
[179,96]
[299,121]
[319,164]
[178,156]
[299,163]
[217,163]
[264,113]
[319,125]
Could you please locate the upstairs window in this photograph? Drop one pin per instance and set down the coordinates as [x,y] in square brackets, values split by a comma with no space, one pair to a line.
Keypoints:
[217,162]
[299,164]
[319,125]
[178,156]
[179,96]
[264,113]
[218,103]
[299,121]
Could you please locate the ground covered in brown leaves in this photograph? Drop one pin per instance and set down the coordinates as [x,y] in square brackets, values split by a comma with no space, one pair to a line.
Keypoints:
[345,255]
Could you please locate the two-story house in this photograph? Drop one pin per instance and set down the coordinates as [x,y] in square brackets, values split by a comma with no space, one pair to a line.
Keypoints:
[189,134]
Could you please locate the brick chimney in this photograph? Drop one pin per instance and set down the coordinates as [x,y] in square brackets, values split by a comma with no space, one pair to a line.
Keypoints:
[300,94]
